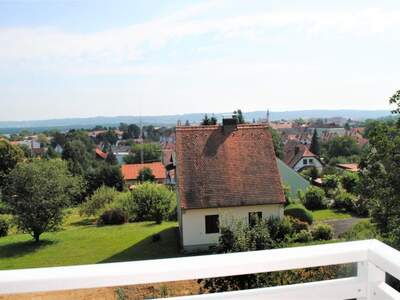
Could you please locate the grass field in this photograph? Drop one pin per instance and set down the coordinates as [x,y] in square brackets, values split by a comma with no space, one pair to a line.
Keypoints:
[329,214]
[81,242]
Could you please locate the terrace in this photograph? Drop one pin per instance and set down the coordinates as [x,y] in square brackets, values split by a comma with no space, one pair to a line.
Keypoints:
[373,258]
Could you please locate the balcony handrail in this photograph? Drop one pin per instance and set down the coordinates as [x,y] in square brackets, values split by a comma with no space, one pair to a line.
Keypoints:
[373,252]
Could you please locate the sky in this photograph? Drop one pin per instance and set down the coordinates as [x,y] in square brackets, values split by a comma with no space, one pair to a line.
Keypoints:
[73,58]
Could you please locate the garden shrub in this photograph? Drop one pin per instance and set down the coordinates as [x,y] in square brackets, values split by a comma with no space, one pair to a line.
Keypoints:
[102,197]
[322,232]
[344,201]
[153,202]
[304,236]
[3,227]
[350,181]
[299,212]
[279,228]
[112,216]
[298,225]
[314,198]
[330,182]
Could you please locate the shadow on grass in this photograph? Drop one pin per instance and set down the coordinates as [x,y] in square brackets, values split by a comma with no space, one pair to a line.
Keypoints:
[84,222]
[166,247]
[23,248]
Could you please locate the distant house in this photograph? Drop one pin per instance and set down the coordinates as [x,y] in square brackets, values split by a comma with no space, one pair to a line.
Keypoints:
[292,179]
[100,154]
[224,173]
[130,172]
[299,157]
[349,167]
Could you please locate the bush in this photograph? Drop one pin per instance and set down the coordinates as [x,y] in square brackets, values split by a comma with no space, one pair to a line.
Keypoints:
[102,197]
[153,202]
[330,182]
[304,236]
[298,225]
[112,216]
[299,212]
[322,232]
[3,227]
[344,201]
[279,228]
[350,181]
[314,198]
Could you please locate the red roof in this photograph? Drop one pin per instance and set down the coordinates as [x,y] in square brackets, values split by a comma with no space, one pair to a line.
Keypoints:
[295,151]
[226,169]
[131,171]
[349,167]
[101,154]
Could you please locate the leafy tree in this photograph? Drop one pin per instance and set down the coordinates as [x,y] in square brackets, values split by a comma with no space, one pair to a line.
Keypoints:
[151,153]
[146,174]
[350,181]
[277,141]
[238,115]
[209,121]
[37,192]
[104,174]
[314,198]
[58,139]
[379,176]
[75,153]
[108,137]
[206,120]
[315,146]
[330,183]
[153,202]
[97,202]
[10,155]
[342,146]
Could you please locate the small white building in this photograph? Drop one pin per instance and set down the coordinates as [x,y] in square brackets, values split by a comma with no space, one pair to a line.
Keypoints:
[224,174]
[299,157]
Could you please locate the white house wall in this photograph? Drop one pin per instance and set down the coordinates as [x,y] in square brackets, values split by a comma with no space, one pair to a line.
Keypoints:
[193,228]
[315,163]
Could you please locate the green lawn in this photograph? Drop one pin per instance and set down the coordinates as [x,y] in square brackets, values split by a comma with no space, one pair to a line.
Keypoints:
[329,214]
[80,242]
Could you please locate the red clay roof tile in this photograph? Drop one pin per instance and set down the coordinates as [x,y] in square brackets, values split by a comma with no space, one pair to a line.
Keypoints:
[217,169]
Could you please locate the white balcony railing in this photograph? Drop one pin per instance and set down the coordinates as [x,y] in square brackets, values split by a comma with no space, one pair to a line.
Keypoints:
[373,257]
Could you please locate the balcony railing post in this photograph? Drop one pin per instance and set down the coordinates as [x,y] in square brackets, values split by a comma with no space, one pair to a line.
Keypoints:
[372,276]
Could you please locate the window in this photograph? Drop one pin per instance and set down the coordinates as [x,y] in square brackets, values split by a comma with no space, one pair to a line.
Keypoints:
[304,161]
[310,161]
[212,224]
[254,217]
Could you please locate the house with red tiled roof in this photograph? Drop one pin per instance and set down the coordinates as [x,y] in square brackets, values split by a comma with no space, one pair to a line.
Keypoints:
[299,157]
[130,172]
[224,172]
[100,154]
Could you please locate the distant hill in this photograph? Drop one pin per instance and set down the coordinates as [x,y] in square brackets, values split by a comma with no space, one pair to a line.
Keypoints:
[70,123]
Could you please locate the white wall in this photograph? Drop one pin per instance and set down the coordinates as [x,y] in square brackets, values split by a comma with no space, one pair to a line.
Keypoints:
[314,163]
[193,227]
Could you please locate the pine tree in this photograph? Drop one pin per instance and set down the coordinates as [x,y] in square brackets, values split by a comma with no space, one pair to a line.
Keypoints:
[315,146]
[206,120]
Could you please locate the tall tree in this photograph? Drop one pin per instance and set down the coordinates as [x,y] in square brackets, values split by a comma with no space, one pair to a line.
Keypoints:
[206,120]
[315,146]
[380,180]
[146,174]
[238,115]
[37,192]
[10,155]
[111,158]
